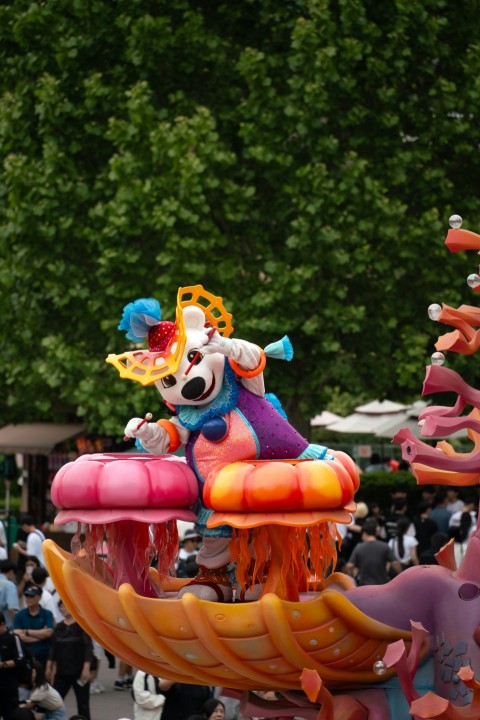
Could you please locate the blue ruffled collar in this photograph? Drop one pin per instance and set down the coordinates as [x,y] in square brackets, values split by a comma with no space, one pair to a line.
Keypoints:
[193,417]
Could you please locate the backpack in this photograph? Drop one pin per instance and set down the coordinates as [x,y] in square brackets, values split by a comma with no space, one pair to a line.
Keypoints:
[3,598]
[146,688]
[25,662]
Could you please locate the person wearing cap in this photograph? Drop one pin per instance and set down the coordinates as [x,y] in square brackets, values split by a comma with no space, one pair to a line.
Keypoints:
[47,601]
[186,566]
[34,625]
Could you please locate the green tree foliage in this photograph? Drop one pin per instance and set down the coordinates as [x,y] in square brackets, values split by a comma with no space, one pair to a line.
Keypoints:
[300,158]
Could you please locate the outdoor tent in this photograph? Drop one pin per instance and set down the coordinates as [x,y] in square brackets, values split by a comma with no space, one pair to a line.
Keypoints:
[325,418]
[367,419]
[383,419]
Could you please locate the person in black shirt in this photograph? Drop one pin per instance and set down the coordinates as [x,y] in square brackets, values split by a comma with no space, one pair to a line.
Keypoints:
[437,541]
[399,509]
[10,653]
[424,526]
[371,559]
[23,713]
[68,664]
[182,700]
[34,625]
[354,531]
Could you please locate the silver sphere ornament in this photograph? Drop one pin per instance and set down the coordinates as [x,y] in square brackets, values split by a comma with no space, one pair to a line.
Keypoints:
[473,280]
[438,358]
[434,311]
[455,221]
[379,667]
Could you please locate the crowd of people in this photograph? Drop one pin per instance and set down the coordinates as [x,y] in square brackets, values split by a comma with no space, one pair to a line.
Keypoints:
[43,651]
[376,546]
[45,654]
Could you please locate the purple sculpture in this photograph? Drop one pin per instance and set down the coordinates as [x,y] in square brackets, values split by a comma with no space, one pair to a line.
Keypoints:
[443,600]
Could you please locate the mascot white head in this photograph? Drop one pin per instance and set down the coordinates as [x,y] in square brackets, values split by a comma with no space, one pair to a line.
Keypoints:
[177,361]
[199,376]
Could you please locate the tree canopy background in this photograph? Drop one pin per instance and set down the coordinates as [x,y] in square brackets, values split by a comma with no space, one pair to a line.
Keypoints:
[300,158]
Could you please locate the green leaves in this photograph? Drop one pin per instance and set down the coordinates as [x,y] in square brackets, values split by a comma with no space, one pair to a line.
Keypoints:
[299,159]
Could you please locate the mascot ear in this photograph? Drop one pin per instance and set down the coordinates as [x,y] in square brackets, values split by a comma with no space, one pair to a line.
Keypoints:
[194,317]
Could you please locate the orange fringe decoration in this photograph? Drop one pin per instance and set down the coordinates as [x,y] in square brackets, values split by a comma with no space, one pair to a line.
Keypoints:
[308,555]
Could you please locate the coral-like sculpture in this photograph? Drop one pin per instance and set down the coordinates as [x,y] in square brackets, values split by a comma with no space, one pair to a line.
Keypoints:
[443,465]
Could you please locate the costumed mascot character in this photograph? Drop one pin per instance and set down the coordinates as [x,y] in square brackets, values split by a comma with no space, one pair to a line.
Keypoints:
[214,386]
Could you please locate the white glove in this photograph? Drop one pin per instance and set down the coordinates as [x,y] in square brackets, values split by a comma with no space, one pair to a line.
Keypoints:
[244,353]
[216,344]
[153,437]
[145,432]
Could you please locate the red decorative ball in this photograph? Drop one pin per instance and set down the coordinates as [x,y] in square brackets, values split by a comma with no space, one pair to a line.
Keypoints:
[160,336]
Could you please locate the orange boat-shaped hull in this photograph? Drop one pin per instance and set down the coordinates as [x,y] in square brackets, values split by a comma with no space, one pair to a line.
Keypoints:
[244,646]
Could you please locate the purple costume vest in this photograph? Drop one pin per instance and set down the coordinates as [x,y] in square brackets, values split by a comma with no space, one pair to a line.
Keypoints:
[256,431]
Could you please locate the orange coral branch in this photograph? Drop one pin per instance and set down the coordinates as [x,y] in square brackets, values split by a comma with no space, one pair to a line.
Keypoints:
[446,556]
[314,689]
[458,239]
[432,706]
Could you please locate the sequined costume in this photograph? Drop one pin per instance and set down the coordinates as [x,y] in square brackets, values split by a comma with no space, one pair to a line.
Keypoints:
[253,430]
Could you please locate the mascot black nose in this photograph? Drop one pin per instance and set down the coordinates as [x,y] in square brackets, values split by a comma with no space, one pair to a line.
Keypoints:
[194,388]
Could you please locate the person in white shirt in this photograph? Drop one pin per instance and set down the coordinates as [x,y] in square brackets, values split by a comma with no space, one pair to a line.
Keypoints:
[35,539]
[190,542]
[454,501]
[403,545]
[462,534]
[147,696]
[186,565]
[470,505]
[44,696]
[9,603]
[3,543]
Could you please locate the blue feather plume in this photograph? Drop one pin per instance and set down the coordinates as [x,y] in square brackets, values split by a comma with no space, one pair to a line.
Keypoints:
[138,317]
[280,350]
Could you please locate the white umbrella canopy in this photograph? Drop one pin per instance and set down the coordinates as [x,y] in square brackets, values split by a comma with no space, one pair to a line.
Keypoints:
[407,419]
[367,419]
[325,418]
[381,407]
[394,425]
[384,418]
[359,424]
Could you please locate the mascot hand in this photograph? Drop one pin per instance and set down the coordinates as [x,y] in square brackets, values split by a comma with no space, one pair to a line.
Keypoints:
[216,344]
[144,432]
[247,355]
[153,437]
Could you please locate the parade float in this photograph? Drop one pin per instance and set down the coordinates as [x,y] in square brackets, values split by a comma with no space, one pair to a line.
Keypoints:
[266,611]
